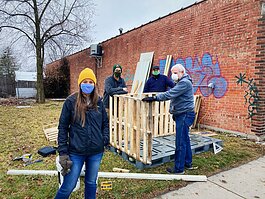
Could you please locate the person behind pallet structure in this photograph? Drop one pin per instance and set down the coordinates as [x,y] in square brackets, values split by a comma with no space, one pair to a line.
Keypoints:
[114,85]
[83,133]
[182,107]
[158,82]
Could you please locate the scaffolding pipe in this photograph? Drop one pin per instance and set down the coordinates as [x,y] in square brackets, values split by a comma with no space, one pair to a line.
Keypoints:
[146,176]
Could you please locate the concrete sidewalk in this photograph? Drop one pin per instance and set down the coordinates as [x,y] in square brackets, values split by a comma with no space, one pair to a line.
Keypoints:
[246,181]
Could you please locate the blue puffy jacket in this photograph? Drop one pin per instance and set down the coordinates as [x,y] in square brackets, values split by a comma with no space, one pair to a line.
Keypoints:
[181,96]
[87,140]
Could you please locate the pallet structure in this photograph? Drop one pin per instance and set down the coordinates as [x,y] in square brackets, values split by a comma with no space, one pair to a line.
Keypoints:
[51,132]
[134,124]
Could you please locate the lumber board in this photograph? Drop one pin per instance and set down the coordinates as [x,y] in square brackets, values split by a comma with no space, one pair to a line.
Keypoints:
[144,127]
[197,103]
[126,116]
[115,131]
[166,118]
[161,118]
[110,118]
[156,119]
[138,130]
[168,63]
[149,135]
[120,116]
[133,130]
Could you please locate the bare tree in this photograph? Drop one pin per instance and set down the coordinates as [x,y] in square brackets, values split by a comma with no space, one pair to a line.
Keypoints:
[47,24]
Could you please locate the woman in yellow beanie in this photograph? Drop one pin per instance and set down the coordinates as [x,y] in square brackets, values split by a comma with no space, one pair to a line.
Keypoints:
[83,133]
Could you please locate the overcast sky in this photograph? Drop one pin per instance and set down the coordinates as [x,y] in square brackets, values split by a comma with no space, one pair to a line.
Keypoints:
[128,14]
[110,15]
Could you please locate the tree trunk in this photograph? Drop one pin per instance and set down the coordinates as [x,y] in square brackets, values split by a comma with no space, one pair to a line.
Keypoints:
[39,62]
[39,56]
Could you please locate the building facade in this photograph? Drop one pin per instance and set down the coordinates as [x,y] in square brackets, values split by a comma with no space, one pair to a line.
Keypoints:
[218,41]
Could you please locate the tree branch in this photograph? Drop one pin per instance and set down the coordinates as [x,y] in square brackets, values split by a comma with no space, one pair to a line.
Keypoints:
[61,22]
[44,9]
[17,15]
[21,1]
[16,28]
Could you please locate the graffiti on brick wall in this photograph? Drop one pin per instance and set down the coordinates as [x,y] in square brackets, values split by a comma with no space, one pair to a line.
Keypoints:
[251,94]
[202,73]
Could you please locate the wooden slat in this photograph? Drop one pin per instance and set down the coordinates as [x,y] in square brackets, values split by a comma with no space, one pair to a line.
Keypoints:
[149,134]
[133,130]
[138,87]
[167,66]
[156,119]
[138,131]
[144,125]
[161,118]
[111,119]
[115,131]
[120,135]
[166,117]
[135,86]
[126,116]
[197,102]
[171,124]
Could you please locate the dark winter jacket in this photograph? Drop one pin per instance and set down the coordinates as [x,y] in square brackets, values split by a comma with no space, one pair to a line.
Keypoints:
[181,96]
[113,87]
[159,83]
[87,140]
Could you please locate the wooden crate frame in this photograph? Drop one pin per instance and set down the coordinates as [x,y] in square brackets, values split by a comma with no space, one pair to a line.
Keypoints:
[51,132]
[133,121]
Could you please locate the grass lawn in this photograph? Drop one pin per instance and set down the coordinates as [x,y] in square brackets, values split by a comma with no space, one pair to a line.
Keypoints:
[21,132]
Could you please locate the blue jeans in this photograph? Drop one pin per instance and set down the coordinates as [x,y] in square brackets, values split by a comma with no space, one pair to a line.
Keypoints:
[92,163]
[183,153]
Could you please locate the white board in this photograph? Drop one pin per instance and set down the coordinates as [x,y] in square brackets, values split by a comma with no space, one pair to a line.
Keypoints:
[142,72]
[147,56]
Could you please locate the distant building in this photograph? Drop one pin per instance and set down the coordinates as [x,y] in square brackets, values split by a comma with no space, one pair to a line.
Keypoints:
[26,84]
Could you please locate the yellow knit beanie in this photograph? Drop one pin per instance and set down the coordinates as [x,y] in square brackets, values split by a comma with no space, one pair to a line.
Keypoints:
[86,73]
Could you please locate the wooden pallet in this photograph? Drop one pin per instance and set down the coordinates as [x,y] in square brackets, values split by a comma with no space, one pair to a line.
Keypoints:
[132,120]
[51,132]
[164,149]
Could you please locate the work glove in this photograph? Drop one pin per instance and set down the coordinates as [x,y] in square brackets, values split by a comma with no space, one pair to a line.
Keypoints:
[66,163]
[149,99]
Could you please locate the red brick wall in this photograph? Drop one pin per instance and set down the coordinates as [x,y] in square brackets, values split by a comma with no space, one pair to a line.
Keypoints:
[258,122]
[216,40]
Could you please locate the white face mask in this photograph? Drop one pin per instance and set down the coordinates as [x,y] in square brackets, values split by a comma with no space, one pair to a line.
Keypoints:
[174,77]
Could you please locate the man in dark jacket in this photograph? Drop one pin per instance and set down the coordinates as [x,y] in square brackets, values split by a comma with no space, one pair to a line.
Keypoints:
[114,85]
[182,107]
[158,82]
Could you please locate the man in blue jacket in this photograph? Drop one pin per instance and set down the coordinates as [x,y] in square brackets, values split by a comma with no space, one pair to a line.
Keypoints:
[182,107]
[158,82]
[114,85]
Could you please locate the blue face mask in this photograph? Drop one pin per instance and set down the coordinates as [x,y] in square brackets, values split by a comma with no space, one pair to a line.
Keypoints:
[87,88]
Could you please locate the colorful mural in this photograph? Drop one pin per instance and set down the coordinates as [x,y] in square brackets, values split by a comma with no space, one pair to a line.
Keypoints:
[251,96]
[202,73]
